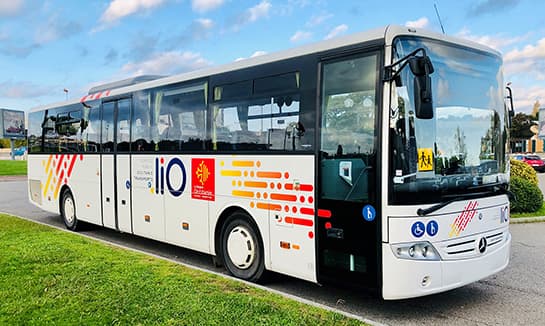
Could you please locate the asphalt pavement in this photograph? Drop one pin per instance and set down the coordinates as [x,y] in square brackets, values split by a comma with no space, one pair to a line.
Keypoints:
[515,296]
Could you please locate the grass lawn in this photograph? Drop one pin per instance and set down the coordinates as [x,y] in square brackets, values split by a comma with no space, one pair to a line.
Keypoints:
[52,277]
[9,167]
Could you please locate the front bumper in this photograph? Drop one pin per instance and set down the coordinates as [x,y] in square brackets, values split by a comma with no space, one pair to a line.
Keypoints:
[404,278]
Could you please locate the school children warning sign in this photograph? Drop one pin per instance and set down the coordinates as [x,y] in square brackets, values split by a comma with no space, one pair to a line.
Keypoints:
[425,159]
[203,179]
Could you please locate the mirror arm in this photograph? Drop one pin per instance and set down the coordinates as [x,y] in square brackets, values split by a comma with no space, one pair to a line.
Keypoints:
[390,73]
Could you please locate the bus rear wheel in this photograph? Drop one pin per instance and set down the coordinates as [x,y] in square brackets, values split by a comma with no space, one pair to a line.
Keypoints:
[68,211]
[242,248]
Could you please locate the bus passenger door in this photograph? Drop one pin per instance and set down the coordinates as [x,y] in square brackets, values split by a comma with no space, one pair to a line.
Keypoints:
[116,185]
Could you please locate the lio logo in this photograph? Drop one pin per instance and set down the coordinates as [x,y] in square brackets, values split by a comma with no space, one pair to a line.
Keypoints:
[165,173]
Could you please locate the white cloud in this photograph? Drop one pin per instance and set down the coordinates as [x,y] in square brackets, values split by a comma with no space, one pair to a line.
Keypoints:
[336,31]
[300,36]
[528,52]
[166,63]
[422,22]
[122,8]
[529,61]
[259,11]
[205,5]
[10,7]
[255,54]
[318,20]
[497,42]
[23,90]
[525,97]
[258,53]
[55,29]
[251,15]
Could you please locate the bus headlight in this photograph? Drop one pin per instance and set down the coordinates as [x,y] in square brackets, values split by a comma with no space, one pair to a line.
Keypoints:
[415,251]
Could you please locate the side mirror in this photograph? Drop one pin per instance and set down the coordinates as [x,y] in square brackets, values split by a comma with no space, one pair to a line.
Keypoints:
[421,67]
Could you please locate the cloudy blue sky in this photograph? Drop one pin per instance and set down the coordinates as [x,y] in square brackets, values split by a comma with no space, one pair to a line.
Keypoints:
[52,45]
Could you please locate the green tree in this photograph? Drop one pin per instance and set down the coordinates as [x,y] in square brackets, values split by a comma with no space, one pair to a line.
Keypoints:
[520,126]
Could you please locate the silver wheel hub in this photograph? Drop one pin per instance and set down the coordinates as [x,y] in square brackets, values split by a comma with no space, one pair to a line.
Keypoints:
[241,247]
[69,210]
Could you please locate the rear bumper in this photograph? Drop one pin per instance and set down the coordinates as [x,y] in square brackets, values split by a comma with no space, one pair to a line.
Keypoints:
[403,278]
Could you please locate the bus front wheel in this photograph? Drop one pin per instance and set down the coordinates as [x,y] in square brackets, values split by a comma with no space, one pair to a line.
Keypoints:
[242,248]
[68,211]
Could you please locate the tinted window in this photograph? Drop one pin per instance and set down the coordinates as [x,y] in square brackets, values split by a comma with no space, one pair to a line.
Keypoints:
[107,137]
[123,125]
[35,140]
[180,117]
[68,128]
[90,135]
[143,135]
[269,118]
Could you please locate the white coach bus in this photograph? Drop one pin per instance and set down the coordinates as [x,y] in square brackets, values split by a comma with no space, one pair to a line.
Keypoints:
[378,159]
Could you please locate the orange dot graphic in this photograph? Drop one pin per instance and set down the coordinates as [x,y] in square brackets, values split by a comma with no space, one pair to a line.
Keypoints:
[258,195]
[252,204]
[279,185]
[286,175]
[302,199]
[287,208]
[311,234]
[245,173]
[265,195]
[234,183]
[258,164]
[252,174]
[272,185]
[294,209]
[310,199]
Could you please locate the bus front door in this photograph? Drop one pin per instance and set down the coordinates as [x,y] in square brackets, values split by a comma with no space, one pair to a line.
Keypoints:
[116,171]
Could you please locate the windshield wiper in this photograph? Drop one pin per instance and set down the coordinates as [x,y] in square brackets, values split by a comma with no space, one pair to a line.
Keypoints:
[426,211]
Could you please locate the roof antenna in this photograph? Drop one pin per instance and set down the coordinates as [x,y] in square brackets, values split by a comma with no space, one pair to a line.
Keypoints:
[439,18]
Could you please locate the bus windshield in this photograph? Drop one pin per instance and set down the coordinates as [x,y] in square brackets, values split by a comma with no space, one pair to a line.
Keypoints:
[461,150]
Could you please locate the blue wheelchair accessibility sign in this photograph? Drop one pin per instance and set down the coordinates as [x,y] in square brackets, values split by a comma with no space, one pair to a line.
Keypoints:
[418,229]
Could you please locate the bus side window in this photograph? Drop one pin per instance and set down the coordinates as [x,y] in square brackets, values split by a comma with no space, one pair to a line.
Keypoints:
[141,139]
[90,134]
[181,117]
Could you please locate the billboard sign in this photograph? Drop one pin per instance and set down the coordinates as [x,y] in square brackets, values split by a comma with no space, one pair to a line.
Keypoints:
[12,123]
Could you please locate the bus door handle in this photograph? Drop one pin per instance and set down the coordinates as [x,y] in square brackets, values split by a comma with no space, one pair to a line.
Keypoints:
[107,199]
[123,202]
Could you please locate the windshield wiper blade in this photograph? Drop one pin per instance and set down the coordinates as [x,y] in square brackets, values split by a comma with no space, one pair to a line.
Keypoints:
[426,211]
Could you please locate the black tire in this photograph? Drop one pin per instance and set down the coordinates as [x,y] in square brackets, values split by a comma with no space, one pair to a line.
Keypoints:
[68,211]
[242,248]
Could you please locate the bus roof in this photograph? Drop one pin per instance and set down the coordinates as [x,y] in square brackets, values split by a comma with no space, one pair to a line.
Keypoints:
[387,33]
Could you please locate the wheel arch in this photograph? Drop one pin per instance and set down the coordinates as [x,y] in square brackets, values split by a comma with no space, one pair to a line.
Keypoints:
[223,218]
[64,188]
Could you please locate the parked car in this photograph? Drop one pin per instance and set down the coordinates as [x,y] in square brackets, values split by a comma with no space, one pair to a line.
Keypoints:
[533,160]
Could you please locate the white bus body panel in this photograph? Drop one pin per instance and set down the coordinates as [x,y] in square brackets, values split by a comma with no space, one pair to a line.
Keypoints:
[278,192]
[123,175]
[456,232]
[80,173]
[108,194]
